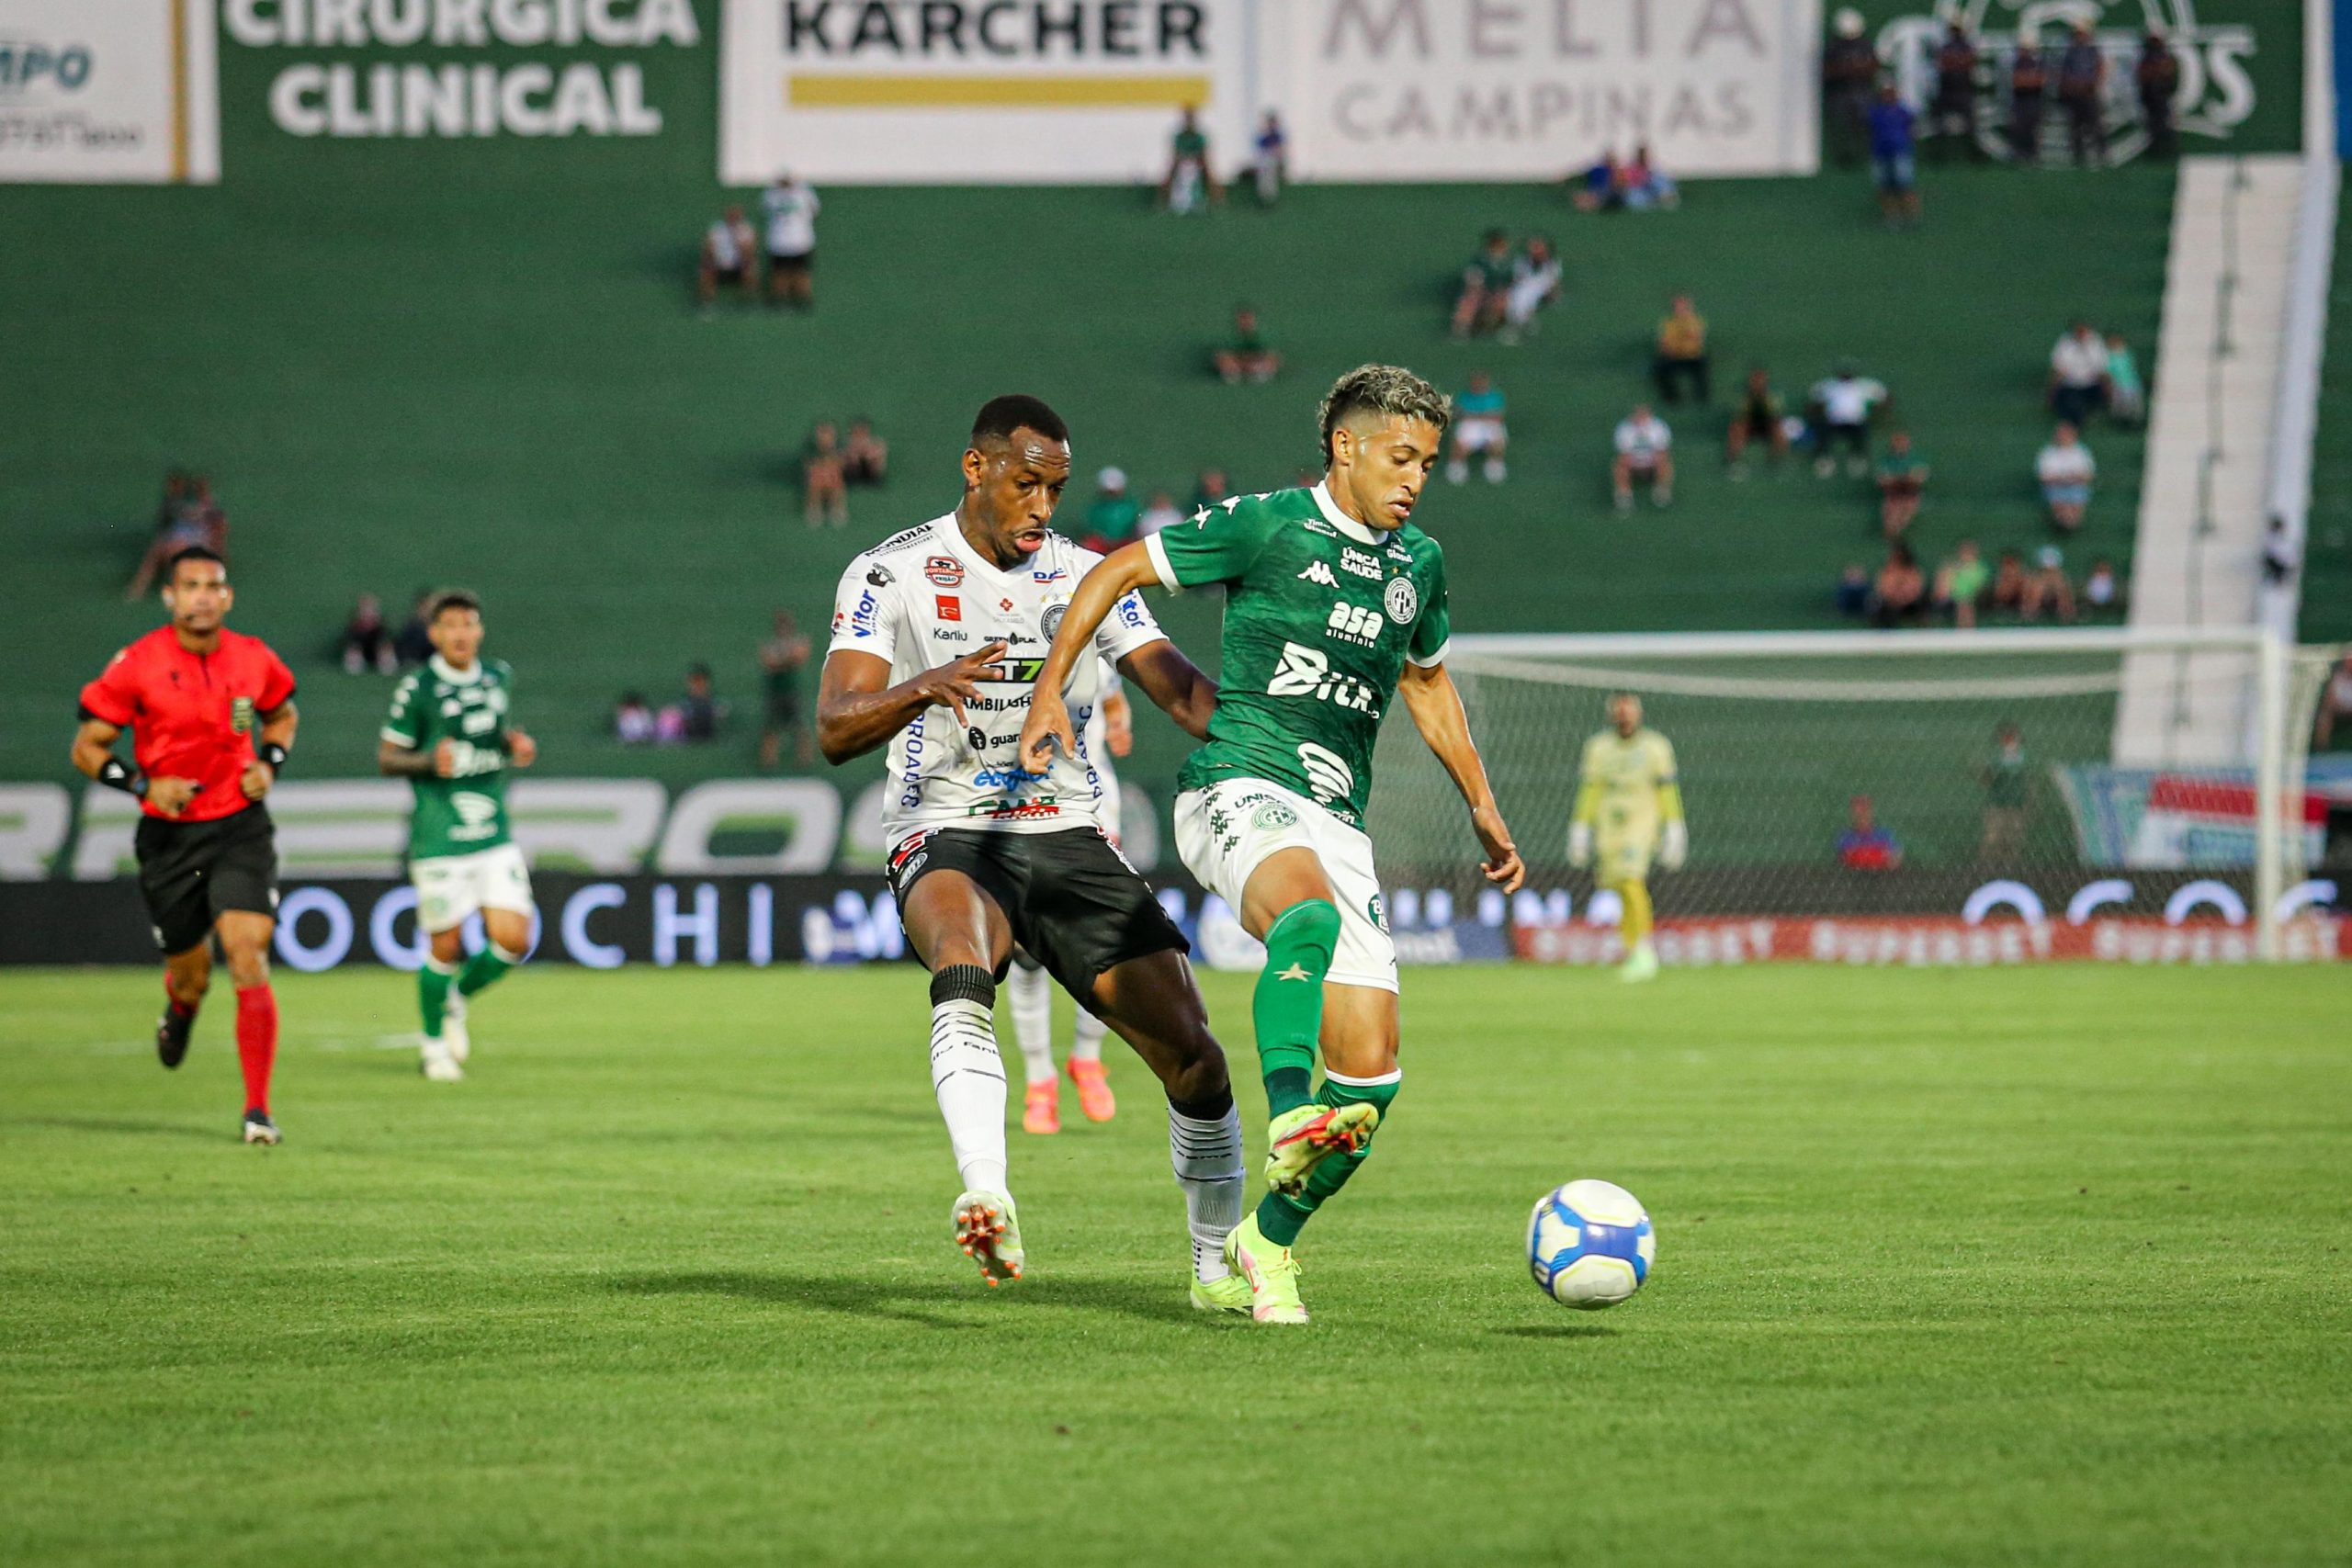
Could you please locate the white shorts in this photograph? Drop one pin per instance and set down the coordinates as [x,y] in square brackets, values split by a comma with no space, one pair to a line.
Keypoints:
[1478,432]
[450,887]
[1223,832]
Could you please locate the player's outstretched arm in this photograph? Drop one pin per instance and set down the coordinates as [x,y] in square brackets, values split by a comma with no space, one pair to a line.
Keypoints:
[1430,696]
[1172,682]
[1121,571]
[858,709]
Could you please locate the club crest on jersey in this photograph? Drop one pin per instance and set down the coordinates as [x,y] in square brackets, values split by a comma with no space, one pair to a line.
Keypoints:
[949,606]
[240,715]
[1051,622]
[1402,599]
[942,571]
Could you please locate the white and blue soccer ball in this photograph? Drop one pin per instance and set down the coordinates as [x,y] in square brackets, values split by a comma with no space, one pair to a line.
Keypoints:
[1590,1245]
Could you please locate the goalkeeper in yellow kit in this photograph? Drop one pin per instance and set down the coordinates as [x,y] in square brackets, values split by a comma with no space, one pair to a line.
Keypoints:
[1629,811]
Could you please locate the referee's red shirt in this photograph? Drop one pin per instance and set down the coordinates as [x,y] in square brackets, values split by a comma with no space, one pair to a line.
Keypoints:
[192,716]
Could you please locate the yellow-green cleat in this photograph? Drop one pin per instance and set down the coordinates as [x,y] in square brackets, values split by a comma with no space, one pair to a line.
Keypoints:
[1298,1141]
[1230,1293]
[990,1234]
[1271,1273]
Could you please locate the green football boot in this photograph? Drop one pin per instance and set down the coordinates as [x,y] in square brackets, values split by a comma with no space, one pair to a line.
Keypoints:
[1271,1272]
[990,1234]
[1298,1141]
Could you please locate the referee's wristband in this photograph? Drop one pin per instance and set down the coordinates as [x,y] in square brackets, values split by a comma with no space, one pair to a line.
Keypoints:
[116,774]
[270,752]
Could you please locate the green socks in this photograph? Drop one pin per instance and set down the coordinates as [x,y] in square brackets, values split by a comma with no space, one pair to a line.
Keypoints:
[1283,1218]
[433,979]
[1287,1007]
[484,968]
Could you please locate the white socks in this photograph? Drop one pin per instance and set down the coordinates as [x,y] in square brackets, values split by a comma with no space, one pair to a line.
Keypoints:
[1086,1040]
[1031,994]
[1207,1157]
[969,1076]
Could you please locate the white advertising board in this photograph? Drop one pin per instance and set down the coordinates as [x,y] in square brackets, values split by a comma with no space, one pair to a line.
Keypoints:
[108,92]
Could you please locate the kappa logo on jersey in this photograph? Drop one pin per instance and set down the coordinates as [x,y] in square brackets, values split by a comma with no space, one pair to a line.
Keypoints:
[1358,624]
[1319,573]
[1328,777]
[1403,600]
[879,575]
[950,607]
[942,571]
[1353,559]
[1307,672]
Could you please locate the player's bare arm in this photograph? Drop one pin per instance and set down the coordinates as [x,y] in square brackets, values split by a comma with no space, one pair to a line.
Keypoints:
[94,750]
[278,727]
[858,710]
[1120,573]
[1436,706]
[1175,685]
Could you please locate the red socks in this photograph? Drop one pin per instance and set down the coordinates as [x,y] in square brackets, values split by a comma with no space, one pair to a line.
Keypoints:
[256,1043]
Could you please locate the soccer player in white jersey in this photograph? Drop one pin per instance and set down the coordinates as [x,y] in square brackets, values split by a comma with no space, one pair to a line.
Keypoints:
[938,634]
[1109,734]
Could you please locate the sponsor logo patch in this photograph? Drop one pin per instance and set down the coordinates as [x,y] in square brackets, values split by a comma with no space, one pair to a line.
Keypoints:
[1307,672]
[950,607]
[1358,563]
[942,571]
[1359,623]
[879,575]
[240,715]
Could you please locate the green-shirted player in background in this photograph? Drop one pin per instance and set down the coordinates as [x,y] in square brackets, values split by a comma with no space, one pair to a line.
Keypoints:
[1629,809]
[450,735]
[1335,605]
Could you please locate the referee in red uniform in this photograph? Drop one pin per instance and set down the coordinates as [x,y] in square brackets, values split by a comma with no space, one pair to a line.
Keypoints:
[212,712]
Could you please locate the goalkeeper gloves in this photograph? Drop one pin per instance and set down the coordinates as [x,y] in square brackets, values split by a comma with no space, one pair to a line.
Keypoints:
[1674,847]
[1579,844]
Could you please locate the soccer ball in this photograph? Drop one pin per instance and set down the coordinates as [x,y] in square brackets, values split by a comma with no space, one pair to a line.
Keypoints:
[1590,1245]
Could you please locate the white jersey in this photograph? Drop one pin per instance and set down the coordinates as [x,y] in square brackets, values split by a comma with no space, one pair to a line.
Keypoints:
[1106,778]
[924,597]
[791,214]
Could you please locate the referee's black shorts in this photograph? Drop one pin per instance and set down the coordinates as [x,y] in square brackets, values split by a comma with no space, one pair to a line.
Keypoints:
[193,873]
[1072,901]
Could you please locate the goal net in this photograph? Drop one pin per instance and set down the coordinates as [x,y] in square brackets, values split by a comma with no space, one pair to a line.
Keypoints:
[1959,796]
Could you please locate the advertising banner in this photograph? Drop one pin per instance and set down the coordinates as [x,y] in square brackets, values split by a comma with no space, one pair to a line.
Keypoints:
[986,91]
[120,93]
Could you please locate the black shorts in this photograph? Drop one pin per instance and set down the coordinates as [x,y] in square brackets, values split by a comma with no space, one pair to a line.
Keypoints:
[1073,901]
[801,264]
[192,872]
[727,275]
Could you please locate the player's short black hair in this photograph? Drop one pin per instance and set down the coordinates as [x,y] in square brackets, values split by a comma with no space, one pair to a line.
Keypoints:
[193,552]
[1000,417]
[451,599]
[1386,390]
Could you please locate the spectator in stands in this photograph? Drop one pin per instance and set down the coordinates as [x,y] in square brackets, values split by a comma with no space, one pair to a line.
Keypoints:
[414,645]
[1901,481]
[1961,584]
[1899,593]
[1761,417]
[2046,588]
[1894,163]
[1953,114]
[1478,430]
[1269,170]
[2102,589]
[1644,455]
[1681,353]
[2008,592]
[1246,357]
[1160,513]
[188,516]
[2008,786]
[2077,375]
[1846,402]
[1111,516]
[2029,80]
[2156,77]
[2127,397]
[700,712]
[1210,488]
[865,457]
[1864,845]
[2066,469]
[789,209]
[1849,72]
[1534,283]
[1191,185]
[366,640]
[633,721]
[1597,189]
[728,247]
[2082,75]
[1853,596]
[825,487]
[782,657]
[2334,704]
[1642,185]
[1484,297]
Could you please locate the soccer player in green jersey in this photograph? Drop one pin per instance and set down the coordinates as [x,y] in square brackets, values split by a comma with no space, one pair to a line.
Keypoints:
[450,735]
[1335,605]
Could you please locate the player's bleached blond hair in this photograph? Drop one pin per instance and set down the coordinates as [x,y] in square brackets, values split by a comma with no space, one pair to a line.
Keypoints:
[1383,390]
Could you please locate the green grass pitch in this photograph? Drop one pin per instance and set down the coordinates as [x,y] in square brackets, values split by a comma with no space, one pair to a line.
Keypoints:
[2040,1266]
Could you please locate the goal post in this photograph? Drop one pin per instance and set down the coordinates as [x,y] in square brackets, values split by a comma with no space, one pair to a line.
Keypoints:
[2110,792]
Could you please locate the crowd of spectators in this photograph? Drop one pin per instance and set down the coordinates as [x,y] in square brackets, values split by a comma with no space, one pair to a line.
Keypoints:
[732,250]
[1626,185]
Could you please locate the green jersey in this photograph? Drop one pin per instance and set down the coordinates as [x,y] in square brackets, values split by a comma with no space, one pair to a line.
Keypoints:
[1321,616]
[466,812]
